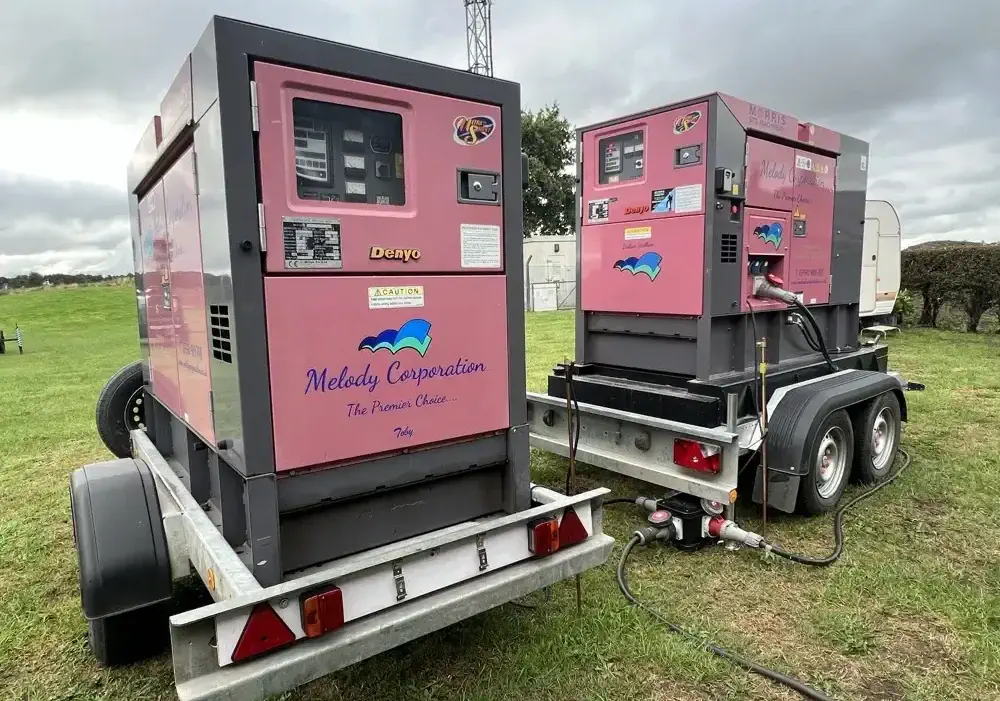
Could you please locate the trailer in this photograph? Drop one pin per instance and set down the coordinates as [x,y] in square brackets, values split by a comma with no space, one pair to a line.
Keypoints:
[328,423]
[881,273]
[718,314]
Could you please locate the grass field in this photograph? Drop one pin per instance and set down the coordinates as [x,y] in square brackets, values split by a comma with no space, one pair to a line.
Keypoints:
[911,612]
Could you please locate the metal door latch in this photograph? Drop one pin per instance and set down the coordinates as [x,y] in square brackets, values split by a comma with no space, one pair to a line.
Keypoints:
[397,575]
[481,547]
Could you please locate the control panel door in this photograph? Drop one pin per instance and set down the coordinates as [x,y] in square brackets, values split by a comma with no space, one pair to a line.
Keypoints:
[359,177]
[648,168]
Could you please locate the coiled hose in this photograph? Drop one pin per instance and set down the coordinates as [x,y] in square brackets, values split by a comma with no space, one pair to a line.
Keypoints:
[792,683]
[838,524]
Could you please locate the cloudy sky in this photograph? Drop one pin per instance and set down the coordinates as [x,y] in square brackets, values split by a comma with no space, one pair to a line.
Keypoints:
[920,79]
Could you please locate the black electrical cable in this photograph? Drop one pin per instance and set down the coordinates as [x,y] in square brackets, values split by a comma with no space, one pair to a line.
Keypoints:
[819,334]
[838,524]
[574,419]
[790,682]
[620,500]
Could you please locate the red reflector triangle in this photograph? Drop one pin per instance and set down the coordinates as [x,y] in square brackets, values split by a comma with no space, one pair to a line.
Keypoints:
[571,529]
[263,631]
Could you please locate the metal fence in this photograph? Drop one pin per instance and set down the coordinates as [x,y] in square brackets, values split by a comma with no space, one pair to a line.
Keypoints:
[549,287]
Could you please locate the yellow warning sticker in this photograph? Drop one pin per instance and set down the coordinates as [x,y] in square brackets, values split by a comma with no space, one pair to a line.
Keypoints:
[736,189]
[638,232]
[395,297]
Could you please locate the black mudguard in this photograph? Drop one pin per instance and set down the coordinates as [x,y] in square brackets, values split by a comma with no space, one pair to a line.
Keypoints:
[792,428]
[120,544]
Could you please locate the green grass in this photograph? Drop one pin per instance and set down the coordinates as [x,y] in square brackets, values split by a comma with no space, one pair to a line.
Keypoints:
[911,612]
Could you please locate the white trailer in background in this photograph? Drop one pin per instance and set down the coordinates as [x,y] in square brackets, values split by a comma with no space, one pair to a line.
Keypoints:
[880,267]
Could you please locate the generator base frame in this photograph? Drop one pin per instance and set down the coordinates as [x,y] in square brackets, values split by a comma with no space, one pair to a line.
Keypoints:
[392,594]
[629,420]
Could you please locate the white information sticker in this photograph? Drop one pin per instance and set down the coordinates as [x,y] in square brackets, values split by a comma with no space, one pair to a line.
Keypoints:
[687,199]
[355,188]
[352,136]
[481,244]
[395,297]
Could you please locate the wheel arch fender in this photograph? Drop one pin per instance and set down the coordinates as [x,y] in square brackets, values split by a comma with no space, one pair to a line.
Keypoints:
[119,539]
[793,427]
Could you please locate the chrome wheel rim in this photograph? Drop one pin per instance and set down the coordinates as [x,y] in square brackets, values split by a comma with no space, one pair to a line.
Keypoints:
[883,439]
[831,462]
[135,414]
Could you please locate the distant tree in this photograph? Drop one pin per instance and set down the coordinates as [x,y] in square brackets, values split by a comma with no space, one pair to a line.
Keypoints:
[549,202]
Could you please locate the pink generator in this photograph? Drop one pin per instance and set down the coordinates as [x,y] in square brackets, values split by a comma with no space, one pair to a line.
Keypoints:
[712,231]
[329,279]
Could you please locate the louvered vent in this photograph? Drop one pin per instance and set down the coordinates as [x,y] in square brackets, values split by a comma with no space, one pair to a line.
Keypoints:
[728,248]
[222,348]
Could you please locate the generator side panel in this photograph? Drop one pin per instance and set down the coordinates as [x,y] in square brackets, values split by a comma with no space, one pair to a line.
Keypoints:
[848,221]
[163,378]
[142,158]
[187,292]
[643,208]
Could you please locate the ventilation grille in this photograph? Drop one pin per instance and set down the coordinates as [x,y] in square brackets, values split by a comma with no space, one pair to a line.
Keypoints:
[728,248]
[222,347]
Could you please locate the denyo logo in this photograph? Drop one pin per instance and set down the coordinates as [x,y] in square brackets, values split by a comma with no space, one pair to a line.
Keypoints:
[470,131]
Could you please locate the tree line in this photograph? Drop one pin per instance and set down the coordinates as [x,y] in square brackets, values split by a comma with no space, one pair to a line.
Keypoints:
[964,276]
[30,280]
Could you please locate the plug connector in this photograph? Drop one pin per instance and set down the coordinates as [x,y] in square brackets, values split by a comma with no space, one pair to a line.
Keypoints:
[724,529]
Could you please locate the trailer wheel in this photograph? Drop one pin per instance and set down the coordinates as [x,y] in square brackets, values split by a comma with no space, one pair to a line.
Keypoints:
[128,637]
[877,430]
[832,452]
[120,409]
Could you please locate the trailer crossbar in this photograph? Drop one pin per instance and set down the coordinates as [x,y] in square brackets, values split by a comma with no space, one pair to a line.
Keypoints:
[638,446]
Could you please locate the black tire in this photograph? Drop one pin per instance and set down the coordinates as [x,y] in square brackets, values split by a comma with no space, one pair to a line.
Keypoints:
[873,462]
[121,396]
[130,637]
[824,484]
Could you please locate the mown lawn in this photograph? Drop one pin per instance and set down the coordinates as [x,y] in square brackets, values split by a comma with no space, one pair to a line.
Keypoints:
[911,612]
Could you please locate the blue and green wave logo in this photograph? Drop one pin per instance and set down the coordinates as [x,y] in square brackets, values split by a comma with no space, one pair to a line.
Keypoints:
[647,264]
[414,334]
[769,233]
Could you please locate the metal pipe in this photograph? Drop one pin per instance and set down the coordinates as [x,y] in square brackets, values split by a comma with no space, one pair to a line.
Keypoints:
[762,370]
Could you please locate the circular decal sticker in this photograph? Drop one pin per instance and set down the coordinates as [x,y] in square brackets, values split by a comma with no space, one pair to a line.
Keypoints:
[687,122]
[470,131]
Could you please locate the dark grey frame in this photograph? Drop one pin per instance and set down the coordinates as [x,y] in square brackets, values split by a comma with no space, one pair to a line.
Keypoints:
[273,520]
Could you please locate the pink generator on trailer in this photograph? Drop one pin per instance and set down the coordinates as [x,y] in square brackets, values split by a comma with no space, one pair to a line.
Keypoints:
[720,250]
[328,422]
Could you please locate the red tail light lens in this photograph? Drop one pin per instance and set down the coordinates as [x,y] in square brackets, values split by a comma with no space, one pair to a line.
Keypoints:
[543,536]
[571,529]
[264,631]
[697,456]
[322,612]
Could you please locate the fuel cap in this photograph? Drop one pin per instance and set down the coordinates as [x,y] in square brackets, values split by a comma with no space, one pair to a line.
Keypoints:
[660,517]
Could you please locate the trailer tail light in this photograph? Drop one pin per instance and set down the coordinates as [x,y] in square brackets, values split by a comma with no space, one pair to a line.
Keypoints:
[264,631]
[322,612]
[571,529]
[697,456]
[543,536]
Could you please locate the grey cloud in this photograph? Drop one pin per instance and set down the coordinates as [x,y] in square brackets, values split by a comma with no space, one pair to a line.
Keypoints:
[912,76]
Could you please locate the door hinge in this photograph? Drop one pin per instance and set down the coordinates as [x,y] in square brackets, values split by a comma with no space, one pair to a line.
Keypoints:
[261,226]
[254,112]
[194,173]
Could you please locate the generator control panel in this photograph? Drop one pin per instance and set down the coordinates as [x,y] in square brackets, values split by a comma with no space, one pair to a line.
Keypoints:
[348,154]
